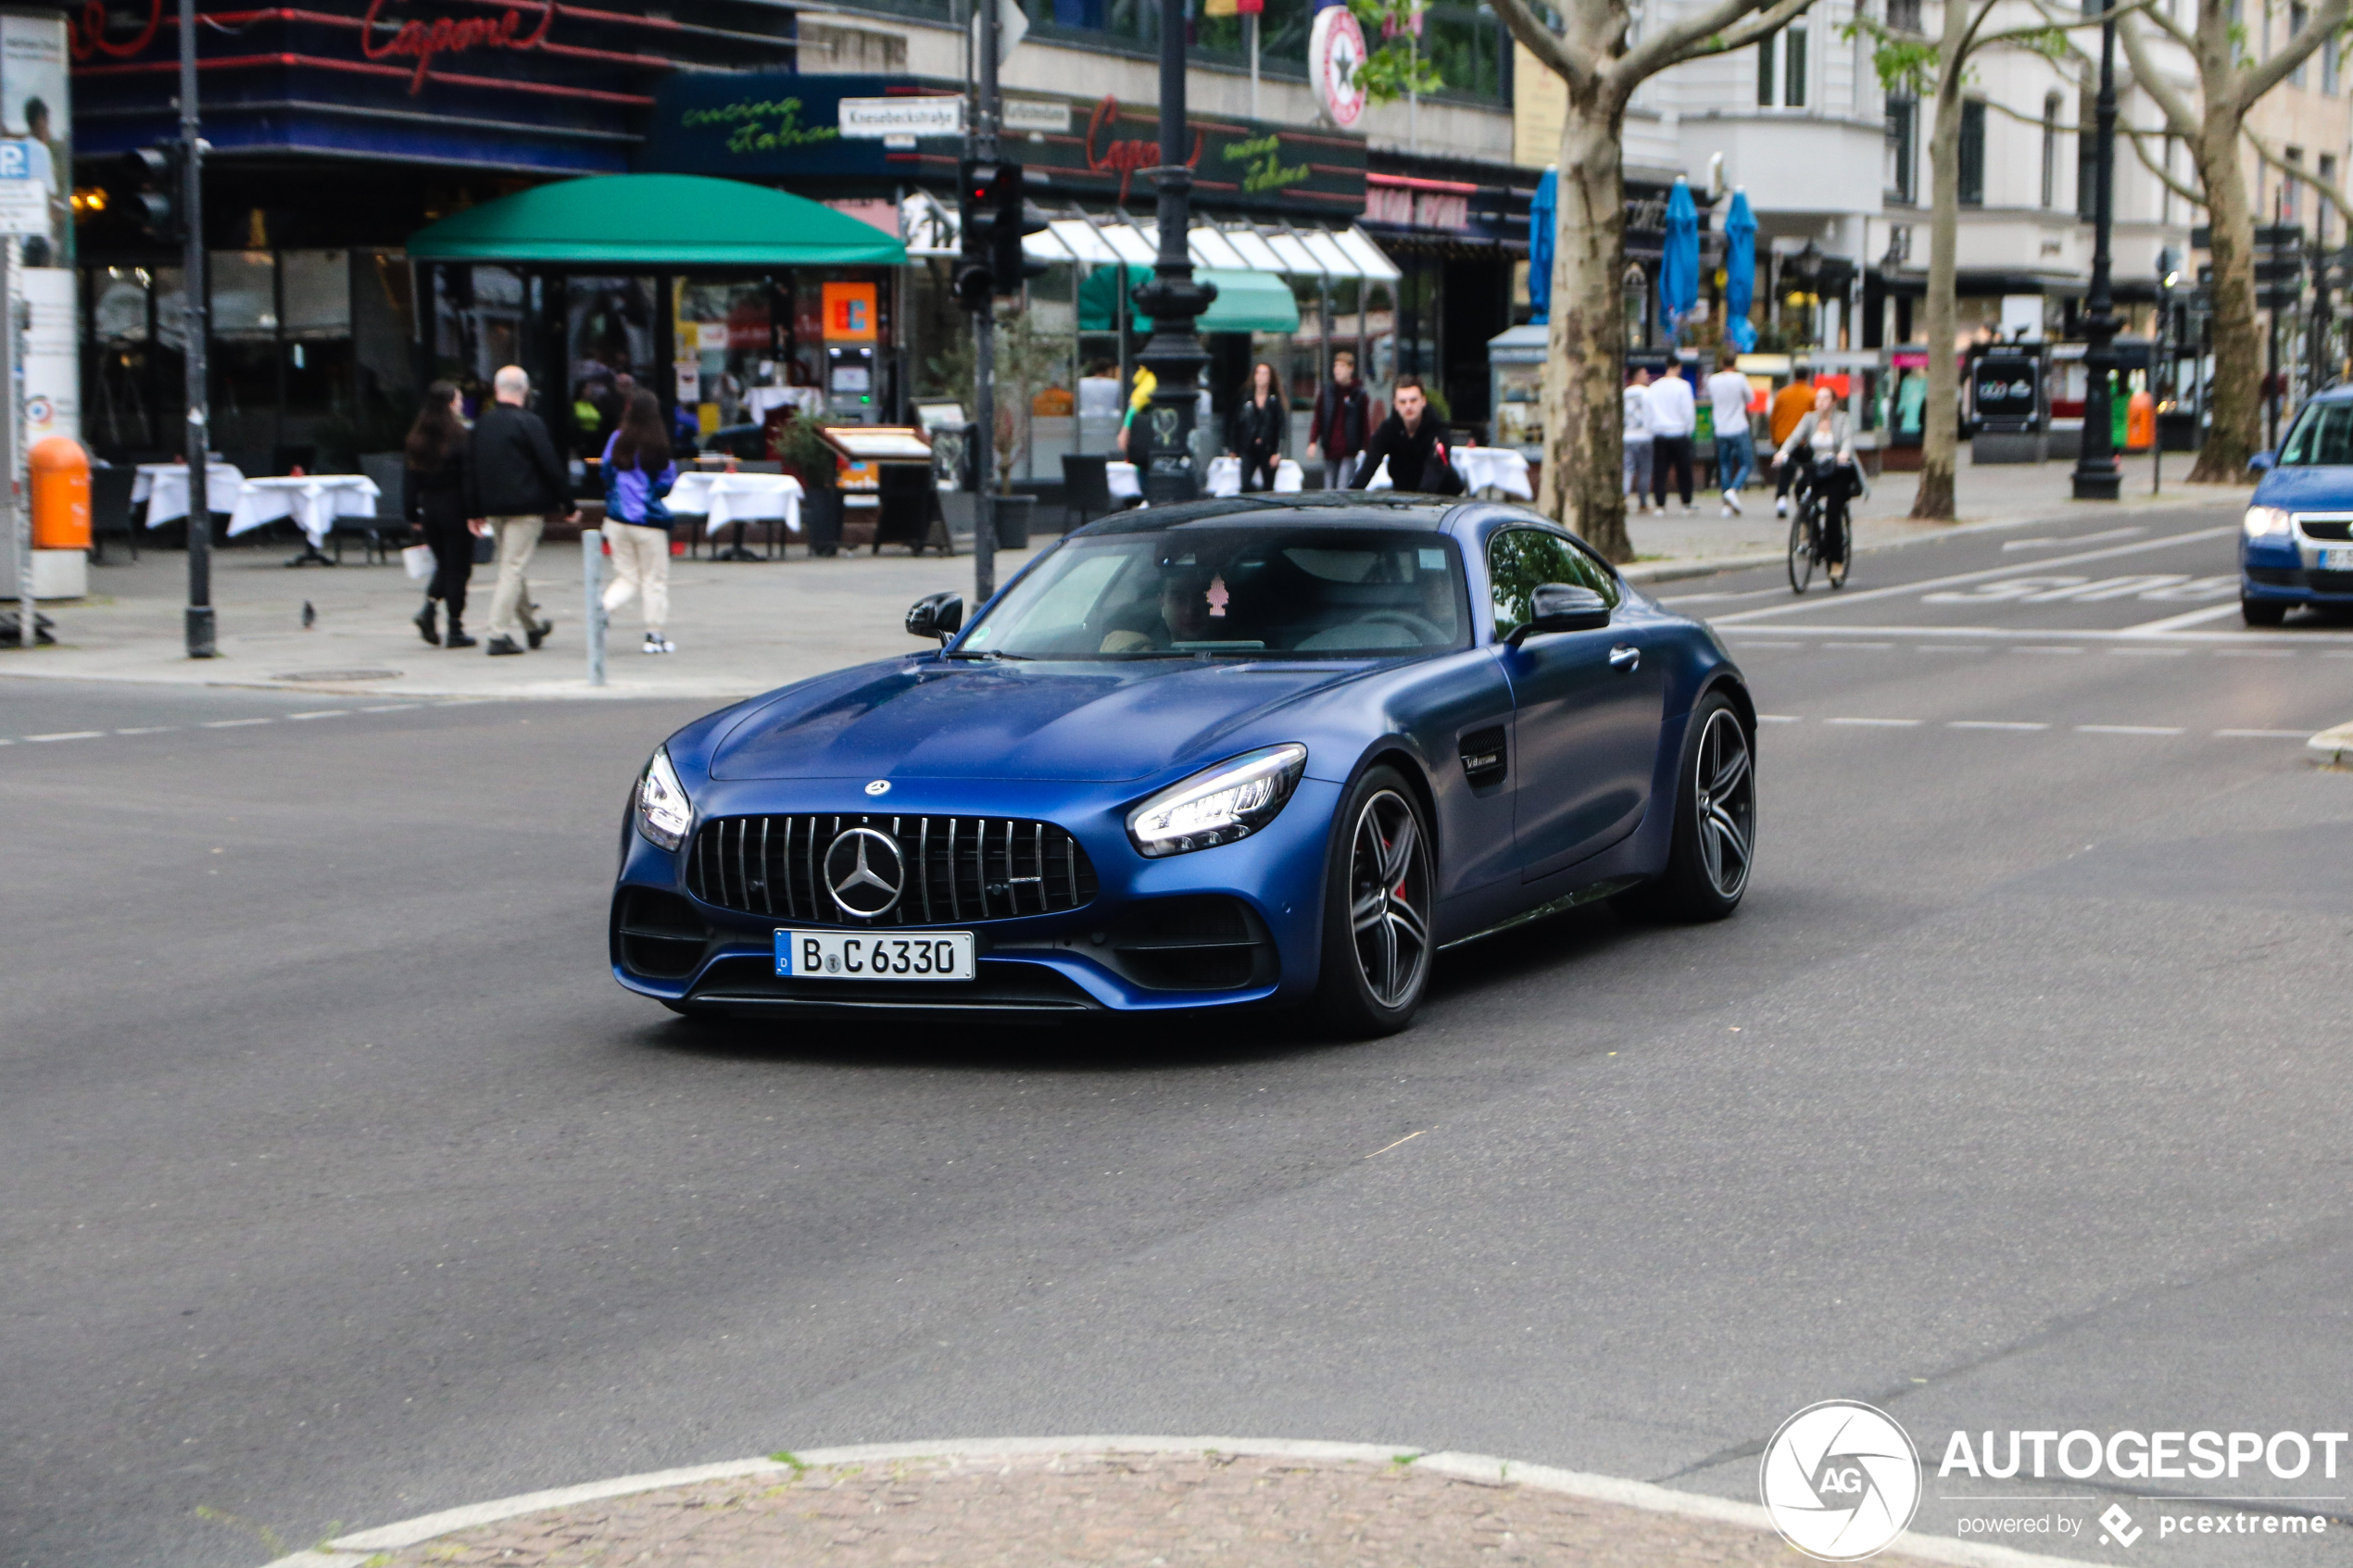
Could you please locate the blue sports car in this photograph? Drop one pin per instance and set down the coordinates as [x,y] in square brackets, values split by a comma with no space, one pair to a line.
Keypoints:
[2298,545]
[1269,751]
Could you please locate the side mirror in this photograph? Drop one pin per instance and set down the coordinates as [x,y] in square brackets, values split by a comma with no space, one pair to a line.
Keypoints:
[2263,462]
[937,615]
[1561,607]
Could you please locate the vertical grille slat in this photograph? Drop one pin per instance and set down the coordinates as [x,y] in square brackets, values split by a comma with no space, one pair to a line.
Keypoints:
[958,870]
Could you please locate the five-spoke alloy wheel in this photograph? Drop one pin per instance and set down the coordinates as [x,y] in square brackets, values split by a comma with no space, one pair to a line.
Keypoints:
[1714,842]
[1379,904]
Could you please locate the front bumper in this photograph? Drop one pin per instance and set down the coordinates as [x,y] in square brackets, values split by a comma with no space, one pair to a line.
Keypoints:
[1238,925]
[2285,570]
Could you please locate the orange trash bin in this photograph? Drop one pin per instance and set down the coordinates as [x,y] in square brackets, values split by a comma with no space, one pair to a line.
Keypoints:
[2140,422]
[60,495]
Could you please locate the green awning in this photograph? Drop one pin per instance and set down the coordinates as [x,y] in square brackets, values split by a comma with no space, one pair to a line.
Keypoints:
[1246,302]
[657,221]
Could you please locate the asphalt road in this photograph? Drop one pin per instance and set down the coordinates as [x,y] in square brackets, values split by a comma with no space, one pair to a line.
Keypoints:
[343,1184]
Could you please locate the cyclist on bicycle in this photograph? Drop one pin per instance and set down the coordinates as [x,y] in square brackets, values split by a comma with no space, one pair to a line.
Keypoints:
[1829,458]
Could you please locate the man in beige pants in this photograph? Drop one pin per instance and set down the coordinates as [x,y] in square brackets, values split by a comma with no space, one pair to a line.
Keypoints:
[514,483]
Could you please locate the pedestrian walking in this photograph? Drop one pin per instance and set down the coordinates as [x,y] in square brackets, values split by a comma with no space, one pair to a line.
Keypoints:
[638,473]
[515,483]
[433,498]
[1256,432]
[1413,442]
[1791,404]
[1674,417]
[1336,431]
[1728,395]
[1634,439]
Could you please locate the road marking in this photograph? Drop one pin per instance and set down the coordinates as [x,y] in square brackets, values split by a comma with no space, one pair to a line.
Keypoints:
[323,713]
[2078,539]
[69,735]
[2266,735]
[1744,644]
[1860,646]
[1992,724]
[2128,729]
[2046,650]
[2148,652]
[1881,723]
[2234,637]
[1949,647]
[2188,618]
[1407,1138]
[1778,719]
[2197,536]
[147,730]
[2255,653]
[393,708]
[233,723]
[465,702]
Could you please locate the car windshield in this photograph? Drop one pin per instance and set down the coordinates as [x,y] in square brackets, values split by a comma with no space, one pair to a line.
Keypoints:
[1227,592]
[2323,437]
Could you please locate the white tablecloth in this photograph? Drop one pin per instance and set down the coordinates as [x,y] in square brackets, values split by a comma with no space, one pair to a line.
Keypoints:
[164,486]
[1482,467]
[723,499]
[314,501]
[1225,476]
[1125,486]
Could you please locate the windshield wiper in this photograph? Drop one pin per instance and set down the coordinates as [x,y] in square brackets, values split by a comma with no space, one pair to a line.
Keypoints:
[991,654]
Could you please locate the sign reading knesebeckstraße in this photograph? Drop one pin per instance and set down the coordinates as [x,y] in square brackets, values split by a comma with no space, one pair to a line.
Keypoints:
[902,116]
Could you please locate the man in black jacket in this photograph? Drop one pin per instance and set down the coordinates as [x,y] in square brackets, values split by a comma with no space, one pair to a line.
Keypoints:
[515,482]
[1411,440]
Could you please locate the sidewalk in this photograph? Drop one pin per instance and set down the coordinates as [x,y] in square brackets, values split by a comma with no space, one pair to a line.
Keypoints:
[743,628]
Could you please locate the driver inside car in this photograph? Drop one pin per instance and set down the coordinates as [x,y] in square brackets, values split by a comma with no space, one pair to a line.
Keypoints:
[1185,605]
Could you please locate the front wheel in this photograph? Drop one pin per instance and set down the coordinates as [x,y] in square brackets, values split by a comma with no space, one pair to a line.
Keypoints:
[1379,908]
[1801,553]
[2262,612]
[1715,839]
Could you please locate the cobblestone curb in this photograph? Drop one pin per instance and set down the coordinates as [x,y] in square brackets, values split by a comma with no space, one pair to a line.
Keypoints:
[1049,1502]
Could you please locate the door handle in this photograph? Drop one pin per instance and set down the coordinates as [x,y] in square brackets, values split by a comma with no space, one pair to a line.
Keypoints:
[1625,659]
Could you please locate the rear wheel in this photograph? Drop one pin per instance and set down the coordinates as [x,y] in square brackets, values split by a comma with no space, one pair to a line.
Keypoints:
[1378,897]
[2262,612]
[1801,553]
[1715,821]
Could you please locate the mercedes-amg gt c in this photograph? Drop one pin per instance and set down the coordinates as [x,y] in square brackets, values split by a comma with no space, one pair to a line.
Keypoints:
[1269,751]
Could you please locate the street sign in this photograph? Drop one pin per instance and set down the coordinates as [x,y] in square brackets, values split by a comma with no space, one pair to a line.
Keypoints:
[931,114]
[24,195]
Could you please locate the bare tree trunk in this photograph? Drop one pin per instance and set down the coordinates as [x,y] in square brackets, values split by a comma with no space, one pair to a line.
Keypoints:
[1939,418]
[1584,450]
[2236,395]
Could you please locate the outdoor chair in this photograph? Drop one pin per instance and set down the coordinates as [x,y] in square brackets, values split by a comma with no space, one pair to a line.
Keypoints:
[110,509]
[1086,489]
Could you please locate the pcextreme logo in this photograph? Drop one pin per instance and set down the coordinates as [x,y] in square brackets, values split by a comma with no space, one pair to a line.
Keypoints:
[1840,1480]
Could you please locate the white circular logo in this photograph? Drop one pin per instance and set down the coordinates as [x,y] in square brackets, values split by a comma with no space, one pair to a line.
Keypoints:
[1840,1480]
[1334,48]
[880,786]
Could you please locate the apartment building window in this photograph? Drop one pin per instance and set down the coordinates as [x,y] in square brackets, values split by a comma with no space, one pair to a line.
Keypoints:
[1904,16]
[2297,16]
[2332,69]
[1794,66]
[2292,188]
[1972,181]
[1766,53]
[2320,209]
[2050,149]
[2088,161]
[1903,148]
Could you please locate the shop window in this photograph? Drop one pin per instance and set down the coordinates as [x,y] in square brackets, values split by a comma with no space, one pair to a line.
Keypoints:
[609,335]
[726,365]
[1972,184]
[244,294]
[317,291]
[479,318]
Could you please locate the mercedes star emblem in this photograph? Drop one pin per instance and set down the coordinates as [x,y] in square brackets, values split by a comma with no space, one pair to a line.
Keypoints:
[865,872]
[880,786]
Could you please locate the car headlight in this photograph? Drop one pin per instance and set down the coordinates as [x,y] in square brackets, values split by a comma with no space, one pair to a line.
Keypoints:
[1231,801]
[2262,521]
[663,811]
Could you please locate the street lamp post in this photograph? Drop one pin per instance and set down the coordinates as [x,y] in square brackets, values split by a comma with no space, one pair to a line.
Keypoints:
[2095,474]
[1171,298]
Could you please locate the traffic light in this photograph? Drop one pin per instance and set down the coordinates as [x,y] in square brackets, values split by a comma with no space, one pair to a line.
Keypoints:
[159,188]
[977,215]
[1015,217]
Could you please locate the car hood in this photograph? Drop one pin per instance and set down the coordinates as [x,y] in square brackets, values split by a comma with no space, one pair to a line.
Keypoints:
[1082,723]
[2301,488]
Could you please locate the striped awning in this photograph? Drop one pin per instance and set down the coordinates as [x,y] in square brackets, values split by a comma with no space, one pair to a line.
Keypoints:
[1102,239]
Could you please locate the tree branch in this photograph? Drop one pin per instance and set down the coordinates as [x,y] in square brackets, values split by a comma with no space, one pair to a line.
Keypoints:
[2323,25]
[2195,198]
[2296,172]
[2162,92]
[1697,35]
[1549,47]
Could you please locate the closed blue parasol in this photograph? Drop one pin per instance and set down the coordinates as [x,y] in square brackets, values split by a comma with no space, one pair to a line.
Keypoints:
[1739,273]
[1679,267]
[1543,227]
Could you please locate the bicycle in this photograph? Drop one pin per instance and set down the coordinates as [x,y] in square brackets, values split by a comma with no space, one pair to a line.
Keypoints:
[1810,543]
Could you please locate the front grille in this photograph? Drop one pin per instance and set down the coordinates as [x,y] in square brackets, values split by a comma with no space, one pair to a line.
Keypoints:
[2297,577]
[2331,528]
[1208,942]
[659,934]
[958,870]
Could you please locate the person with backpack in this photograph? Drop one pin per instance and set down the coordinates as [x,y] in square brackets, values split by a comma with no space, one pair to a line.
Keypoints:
[638,473]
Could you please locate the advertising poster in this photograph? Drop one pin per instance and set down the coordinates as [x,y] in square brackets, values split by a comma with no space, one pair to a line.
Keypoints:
[35,104]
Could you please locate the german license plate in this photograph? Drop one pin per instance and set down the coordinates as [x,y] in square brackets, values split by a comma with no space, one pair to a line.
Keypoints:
[2339,559]
[859,955]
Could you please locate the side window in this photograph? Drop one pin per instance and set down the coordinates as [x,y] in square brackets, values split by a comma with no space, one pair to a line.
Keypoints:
[1521,560]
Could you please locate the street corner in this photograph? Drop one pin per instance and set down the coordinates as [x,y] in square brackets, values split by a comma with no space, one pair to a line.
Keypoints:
[2329,748]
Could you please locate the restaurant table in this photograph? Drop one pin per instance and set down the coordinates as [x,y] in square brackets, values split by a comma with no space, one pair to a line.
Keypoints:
[1124,484]
[1225,476]
[1484,469]
[313,501]
[164,486]
[739,498]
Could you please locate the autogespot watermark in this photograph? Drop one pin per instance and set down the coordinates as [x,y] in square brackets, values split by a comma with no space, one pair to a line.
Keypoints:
[1843,1482]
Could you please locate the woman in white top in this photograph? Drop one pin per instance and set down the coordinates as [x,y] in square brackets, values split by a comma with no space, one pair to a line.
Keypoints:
[1829,458]
[1635,438]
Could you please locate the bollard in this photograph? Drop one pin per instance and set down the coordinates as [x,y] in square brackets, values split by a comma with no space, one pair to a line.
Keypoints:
[592,575]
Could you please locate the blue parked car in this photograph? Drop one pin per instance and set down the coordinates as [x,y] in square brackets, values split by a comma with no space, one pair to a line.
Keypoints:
[2297,546]
[1267,751]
